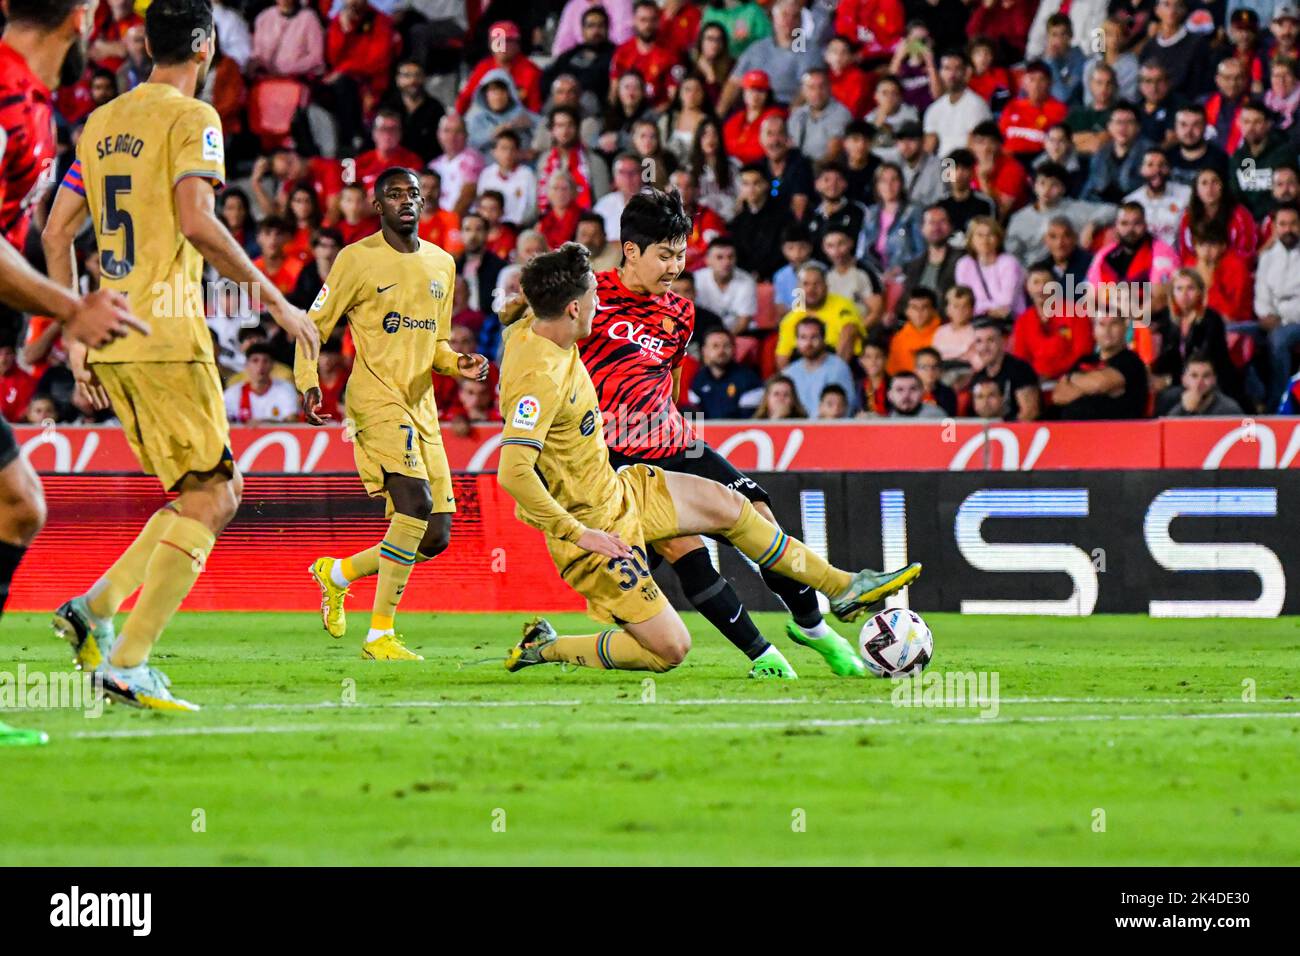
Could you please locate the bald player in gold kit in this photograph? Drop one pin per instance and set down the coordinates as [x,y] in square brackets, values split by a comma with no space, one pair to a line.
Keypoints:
[147,166]
[555,464]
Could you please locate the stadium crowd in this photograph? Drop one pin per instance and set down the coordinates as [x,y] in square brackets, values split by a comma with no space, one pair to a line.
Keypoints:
[1005,209]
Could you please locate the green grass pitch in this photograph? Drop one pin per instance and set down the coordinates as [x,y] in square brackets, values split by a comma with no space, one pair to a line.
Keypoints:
[1119,740]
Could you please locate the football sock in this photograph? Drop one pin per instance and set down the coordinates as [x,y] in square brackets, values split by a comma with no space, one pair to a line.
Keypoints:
[609,650]
[713,596]
[773,549]
[801,599]
[11,555]
[120,581]
[174,566]
[397,555]
[360,565]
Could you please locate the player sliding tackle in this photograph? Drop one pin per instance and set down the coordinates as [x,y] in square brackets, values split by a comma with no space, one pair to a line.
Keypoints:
[397,291]
[555,464]
[146,168]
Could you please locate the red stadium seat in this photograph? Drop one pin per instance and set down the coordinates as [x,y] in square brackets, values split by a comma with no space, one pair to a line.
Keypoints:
[766,317]
[1241,348]
[272,104]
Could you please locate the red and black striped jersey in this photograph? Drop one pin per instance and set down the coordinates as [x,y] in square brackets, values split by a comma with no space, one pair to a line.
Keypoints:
[636,341]
[27,145]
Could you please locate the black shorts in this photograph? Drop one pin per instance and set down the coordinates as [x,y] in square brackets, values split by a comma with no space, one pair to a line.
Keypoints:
[8,445]
[701,460]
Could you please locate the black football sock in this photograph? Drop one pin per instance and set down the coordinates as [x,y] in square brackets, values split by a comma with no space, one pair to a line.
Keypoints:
[713,596]
[799,598]
[10,557]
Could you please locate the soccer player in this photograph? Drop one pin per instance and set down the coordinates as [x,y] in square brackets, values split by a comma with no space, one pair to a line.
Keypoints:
[40,36]
[396,290]
[145,170]
[634,355]
[598,522]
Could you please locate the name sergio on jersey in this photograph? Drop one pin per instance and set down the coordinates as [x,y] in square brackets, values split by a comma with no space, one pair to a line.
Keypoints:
[121,143]
[395,320]
[636,333]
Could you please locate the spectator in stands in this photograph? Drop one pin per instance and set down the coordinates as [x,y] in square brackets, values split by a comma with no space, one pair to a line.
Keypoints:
[359,51]
[480,267]
[929,369]
[565,91]
[987,400]
[678,123]
[437,225]
[1111,382]
[922,171]
[954,340]
[797,248]
[479,401]
[712,57]
[890,114]
[723,388]
[1015,377]
[740,133]
[42,409]
[906,398]
[588,61]
[817,125]
[757,225]
[706,225]
[16,385]
[817,366]
[605,255]
[1191,326]
[516,182]
[1277,299]
[502,236]
[1004,22]
[717,172]
[912,64]
[833,404]
[987,78]
[855,280]
[627,183]
[1262,150]
[1025,119]
[325,246]
[1134,257]
[785,55]
[997,277]
[1115,170]
[1114,54]
[788,171]
[273,233]
[834,210]
[1067,260]
[1226,274]
[507,54]
[386,134]
[936,267]
[112,21]
[1223,108]
[419,112]
[1088,122]
[706,320]
[1198,394]
[1157,106]
[873,383]
[568,154]
[459,166]
[357,217]
[1027,227]
[627,107]
[1058,148]
[860,162]
[560,222]
[1191,151]
[1283,94]
[1285,27]
[1052,333]
[922,312]
[496,108]
[1212,203]
[238,217]
[1064,60]
[963,203]
[288,40]
[332,372]
[958,110]
[891,234]
[657,164]
[780,401]
[572,30]
[840,322]
[1184,55]
[233,37]
[875,26]
[729,292]
[261,398]
[850,84]
[136,67]
[1163,200]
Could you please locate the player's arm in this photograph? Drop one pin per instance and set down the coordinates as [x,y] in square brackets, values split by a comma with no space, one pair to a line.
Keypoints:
[335,299]
[196,209]
[446,360]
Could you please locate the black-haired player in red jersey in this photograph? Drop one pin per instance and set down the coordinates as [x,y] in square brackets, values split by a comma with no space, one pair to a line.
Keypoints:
[39,36]
[634,353]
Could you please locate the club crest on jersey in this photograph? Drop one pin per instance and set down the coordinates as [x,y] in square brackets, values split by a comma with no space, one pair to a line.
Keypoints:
[321,296]
[626,331]
[588,424]
[392,322]
[437,290]
[669,325]
[527,412]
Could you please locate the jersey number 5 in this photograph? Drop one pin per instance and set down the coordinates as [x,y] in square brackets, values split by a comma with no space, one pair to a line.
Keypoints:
[116,218]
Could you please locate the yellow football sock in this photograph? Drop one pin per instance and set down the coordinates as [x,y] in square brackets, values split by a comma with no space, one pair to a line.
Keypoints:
[773,549]
[397,552]
[174,566]
[609,650]
[362,564]
[127,573]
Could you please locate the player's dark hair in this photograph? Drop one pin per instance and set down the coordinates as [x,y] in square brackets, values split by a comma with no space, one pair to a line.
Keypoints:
[173,26]
[554,279]
[392,172]
[653,215]
[44,14]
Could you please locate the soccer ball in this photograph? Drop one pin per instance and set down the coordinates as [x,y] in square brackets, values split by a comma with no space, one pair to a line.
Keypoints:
[896,643]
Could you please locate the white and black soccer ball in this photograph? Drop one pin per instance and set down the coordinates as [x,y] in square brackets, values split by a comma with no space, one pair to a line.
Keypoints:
[896,643]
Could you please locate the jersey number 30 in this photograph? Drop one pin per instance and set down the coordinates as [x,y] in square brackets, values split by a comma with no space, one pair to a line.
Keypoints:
[115,219]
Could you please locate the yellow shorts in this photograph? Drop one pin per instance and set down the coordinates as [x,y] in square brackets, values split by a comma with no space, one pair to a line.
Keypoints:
[173,414]
[396,448]
[621,590]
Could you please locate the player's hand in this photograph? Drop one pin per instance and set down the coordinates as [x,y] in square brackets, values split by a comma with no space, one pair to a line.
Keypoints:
[604,542]
[512,310]
[474,367]
[311,405]
[301,329]
[89,388]
[100,318]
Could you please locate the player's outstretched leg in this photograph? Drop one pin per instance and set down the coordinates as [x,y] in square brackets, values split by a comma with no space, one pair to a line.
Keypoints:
[713,596]
[658,645]
[206,504]
[22,509]
[706,507]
